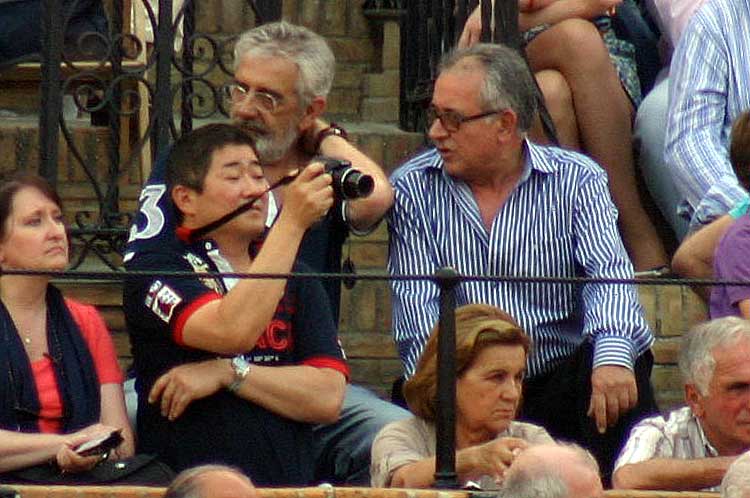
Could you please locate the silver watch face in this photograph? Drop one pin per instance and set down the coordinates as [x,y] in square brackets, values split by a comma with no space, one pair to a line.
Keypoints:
[240,365]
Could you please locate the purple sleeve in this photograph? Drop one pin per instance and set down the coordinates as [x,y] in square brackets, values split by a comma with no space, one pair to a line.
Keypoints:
[731,262]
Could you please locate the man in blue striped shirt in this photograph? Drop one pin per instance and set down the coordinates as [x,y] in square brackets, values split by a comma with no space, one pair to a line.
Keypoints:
[486,201]
[709,89]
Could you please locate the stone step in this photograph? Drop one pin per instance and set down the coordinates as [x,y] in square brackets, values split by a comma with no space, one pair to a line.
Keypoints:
[381,109]
[385,84]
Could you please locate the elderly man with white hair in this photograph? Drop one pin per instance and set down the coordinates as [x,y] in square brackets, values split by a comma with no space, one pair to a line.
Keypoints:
[736,482]
[695,445]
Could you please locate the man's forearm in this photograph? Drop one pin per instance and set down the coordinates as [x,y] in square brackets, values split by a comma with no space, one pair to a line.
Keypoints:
[240,328]
[672,474]
[301,393]
[694,258]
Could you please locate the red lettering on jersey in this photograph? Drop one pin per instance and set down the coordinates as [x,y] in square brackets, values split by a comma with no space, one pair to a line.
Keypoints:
[276,336]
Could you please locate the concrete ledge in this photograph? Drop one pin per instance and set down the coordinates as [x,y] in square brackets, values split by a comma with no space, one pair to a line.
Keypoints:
[319,492]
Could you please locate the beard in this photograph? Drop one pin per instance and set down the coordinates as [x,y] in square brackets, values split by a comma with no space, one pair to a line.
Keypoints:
[271,146]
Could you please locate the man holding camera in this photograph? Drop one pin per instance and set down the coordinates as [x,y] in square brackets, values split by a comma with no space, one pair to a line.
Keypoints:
[283,74]
[233,371]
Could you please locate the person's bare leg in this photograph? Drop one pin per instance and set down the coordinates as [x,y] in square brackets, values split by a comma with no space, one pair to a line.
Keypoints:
[604,115]
[558,100]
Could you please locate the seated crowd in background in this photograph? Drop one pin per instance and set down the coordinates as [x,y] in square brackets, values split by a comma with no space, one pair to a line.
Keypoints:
[708,91]
[252,392]
[85,30]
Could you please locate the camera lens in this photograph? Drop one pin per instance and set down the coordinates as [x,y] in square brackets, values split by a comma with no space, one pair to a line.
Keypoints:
[355,184]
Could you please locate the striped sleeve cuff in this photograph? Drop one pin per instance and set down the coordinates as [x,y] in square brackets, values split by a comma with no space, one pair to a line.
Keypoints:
[614,350]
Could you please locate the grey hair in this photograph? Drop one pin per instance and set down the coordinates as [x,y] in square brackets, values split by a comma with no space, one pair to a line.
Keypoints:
[528,484]
[697,362]
[507,83]
[736,482]
[305,48]
[542,480]
[187,484]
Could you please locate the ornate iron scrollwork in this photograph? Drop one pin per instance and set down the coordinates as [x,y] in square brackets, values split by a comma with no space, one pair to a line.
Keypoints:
[113,78]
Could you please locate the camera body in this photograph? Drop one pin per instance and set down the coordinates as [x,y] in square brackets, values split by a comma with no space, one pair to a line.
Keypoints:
[348,182]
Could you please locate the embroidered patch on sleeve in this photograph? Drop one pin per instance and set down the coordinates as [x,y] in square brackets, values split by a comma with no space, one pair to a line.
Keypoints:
[162,300]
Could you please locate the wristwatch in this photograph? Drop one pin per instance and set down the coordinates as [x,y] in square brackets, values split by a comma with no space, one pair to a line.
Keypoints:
[333,129]
[241,368]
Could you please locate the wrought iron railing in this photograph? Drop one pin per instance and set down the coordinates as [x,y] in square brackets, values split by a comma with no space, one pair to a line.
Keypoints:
[130,75]
[114,86]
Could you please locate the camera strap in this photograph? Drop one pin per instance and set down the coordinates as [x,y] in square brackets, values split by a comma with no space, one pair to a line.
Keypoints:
[199,232]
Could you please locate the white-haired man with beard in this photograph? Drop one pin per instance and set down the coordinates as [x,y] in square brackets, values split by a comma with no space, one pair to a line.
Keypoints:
[283,74]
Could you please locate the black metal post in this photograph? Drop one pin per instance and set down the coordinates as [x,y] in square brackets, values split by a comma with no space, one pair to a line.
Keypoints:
[111,202]
[507,33]
[162,107]
[268,10]
[506,24]
[51,91]
[188,65]
[445,452]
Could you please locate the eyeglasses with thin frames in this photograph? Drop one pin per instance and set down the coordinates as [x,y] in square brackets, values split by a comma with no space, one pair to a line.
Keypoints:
[239,94]
[452,120]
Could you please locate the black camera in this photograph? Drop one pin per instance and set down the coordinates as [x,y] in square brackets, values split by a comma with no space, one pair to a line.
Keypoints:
[348,182]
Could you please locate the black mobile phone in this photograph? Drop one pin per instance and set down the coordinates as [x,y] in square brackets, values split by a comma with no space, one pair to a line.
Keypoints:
[100,445]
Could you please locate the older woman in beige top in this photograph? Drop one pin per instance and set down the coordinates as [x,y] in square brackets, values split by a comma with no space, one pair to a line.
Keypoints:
[490,362]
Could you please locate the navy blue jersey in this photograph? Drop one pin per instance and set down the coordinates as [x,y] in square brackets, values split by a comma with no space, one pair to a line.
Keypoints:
[222,428]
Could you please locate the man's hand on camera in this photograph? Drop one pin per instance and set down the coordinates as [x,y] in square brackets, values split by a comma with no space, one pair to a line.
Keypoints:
[309,197]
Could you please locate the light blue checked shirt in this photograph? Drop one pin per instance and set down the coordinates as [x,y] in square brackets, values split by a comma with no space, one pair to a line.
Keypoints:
[558,222]
[709,88]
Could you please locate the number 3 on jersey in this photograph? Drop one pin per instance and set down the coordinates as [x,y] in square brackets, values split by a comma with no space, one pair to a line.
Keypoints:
[149,208]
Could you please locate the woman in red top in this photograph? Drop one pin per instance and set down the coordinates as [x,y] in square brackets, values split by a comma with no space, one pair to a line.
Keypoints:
[60,384]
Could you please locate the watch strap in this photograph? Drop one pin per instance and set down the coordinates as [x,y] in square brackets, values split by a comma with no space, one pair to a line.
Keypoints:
[333,129]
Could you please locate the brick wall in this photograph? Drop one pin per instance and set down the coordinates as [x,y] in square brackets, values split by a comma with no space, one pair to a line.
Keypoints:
[19,150]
